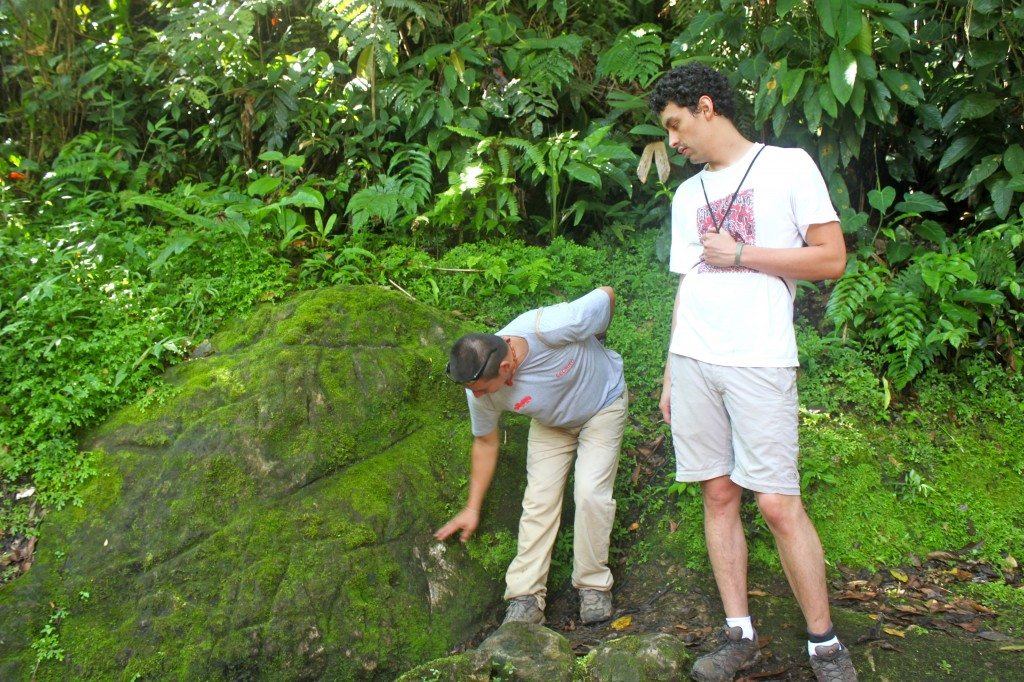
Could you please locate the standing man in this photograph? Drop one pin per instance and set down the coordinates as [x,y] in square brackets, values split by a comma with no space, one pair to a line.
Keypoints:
[549,364]
[751,222]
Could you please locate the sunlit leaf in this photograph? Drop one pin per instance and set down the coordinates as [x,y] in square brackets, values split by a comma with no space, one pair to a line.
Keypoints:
[621,623]
[263,186]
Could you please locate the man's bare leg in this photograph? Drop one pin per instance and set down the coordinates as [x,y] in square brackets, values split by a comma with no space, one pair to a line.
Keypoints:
[727,545]
[801,554]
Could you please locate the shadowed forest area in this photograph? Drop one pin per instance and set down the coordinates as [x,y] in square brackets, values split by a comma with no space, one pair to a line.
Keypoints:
[167,165]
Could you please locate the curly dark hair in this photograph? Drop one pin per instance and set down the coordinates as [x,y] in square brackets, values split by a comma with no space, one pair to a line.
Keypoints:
[685,85]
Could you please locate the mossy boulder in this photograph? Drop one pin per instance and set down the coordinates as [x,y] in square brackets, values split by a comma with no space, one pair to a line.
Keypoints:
[653,657]
[268,513]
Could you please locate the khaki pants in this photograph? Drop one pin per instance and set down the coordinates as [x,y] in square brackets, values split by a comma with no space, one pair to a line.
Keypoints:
[550,453]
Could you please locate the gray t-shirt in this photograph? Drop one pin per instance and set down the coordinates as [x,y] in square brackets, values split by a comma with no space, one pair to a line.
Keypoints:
[567,377]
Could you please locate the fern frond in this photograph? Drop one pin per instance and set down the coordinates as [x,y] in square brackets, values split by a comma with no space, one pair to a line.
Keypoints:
[404,94]
[466,132]
[382,200]
[903,321]
[131,200]
[636,55]
[851,294]
[414,169]
[547,70]
[902,370]
[532,151]
[569,42]
[993,257]
[402,9]
[87,157]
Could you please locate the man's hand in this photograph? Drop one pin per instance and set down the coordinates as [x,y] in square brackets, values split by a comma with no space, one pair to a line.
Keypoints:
[466,520]
[719,249]
[665,404]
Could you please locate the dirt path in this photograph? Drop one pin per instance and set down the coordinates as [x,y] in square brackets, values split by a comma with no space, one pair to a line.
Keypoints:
[663,597]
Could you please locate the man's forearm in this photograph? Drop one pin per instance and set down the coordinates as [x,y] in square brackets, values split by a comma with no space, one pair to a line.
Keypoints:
[483,462]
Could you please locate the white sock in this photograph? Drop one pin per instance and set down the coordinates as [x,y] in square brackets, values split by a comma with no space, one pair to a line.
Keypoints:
[745,623]
[811,646]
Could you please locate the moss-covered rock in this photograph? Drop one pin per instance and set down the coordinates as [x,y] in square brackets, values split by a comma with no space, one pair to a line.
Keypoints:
[529,653]
[654,657]
[271,516]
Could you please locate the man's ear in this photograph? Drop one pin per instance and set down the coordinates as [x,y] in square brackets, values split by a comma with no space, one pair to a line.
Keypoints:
[706,106]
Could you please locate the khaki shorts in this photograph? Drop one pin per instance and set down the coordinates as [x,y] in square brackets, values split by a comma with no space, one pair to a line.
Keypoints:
[739,422]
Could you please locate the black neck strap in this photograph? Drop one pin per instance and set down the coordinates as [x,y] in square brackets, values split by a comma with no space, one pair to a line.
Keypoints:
[711,212]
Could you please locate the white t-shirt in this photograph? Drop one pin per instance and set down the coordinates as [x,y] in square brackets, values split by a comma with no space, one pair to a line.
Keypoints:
[565,379]
[736,316]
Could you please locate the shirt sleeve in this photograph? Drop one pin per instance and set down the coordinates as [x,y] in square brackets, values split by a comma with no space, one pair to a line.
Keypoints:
[483,416]
[575,321]
[685,250]
[810,199]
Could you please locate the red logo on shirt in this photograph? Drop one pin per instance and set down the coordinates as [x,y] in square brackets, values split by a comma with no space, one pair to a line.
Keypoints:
[565,370]
[522,403]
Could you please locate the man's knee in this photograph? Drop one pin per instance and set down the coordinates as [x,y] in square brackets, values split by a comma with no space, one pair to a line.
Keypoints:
[721,494]
[782,513]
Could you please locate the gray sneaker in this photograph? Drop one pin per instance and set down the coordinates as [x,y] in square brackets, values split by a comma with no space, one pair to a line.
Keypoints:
[595,605]
[523,609]
[732,656]
[833,664]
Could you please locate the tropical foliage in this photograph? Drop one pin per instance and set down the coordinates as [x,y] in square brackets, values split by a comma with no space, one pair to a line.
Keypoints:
[166,163]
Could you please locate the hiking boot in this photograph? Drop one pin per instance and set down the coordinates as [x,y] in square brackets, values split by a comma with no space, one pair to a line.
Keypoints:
[595,605]
[523,609]
[833,664]
[732,656]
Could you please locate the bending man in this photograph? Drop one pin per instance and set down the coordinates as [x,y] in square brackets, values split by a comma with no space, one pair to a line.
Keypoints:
[551,365]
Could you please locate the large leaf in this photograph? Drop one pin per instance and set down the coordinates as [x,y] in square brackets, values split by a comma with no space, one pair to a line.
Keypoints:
[982,296]
[882,199]
[842,73]
[919,202]
[848,22]
[812,110]
[583,173]
[862,42]
[263,186]
[828,101]
[1002,197]
[981,172]
[828,14]
[178,244]
[984,53]
[1013,159]
[930,230]
[906,88]
[784,7]
[791,83]
[306,197]
[978,105]
[957,150]
[647,129]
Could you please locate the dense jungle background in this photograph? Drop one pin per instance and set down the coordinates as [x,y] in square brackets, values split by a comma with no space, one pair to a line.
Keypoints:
[168,164]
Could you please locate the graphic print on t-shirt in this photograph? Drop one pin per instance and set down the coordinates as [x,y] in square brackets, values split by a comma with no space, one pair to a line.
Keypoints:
[739,224]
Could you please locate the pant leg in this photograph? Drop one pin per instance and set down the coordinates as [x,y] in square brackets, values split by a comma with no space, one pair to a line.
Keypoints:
[597,461]
[549,455]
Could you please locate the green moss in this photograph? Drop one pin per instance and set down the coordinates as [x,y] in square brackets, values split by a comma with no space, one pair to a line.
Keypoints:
[274,517]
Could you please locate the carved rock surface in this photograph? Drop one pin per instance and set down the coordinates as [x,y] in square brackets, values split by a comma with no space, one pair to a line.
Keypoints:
[267,514]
